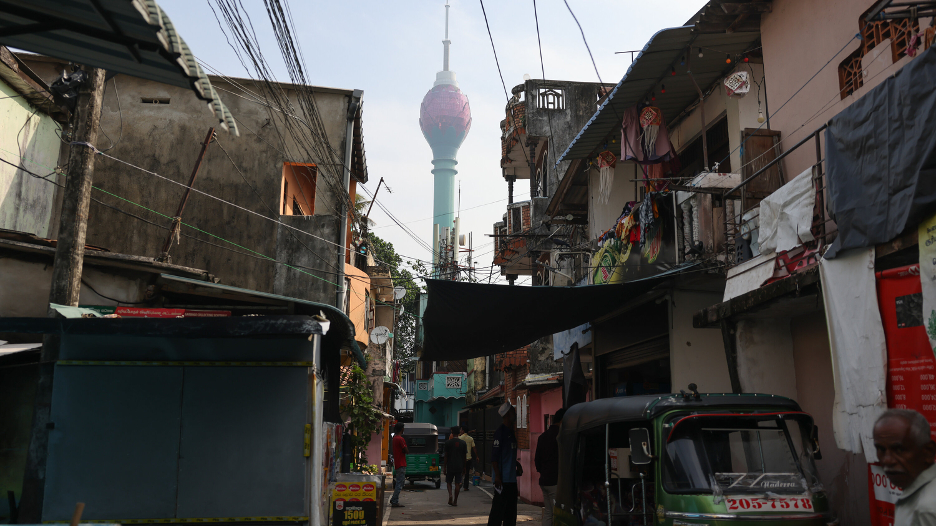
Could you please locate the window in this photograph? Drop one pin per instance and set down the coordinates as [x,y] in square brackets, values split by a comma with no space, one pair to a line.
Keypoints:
[298,189]
[874,34]
[453,382]
[550,99]
[522,412]
[516,220]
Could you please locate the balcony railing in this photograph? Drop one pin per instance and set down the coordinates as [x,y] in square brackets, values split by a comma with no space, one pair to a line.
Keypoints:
[742,223]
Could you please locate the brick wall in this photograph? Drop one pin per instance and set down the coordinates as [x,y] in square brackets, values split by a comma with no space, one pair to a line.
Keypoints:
[515,372]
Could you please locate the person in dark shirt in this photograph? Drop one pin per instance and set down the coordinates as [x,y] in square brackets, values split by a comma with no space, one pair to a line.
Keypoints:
[506,469]
[455,452]
[547,464]
[399,464]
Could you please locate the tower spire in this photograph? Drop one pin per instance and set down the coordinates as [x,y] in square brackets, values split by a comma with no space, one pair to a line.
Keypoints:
[446,42]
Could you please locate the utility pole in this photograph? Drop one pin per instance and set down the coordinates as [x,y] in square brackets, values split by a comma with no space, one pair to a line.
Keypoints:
[177,220]
[66,279]
[73,222]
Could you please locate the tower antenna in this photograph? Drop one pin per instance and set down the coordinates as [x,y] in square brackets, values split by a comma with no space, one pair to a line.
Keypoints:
[446,42]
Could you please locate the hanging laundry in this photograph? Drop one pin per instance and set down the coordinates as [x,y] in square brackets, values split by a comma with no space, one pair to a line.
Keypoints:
[645,143]
[606,162]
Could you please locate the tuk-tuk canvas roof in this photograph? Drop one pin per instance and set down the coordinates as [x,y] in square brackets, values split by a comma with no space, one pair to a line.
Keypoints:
[587,415]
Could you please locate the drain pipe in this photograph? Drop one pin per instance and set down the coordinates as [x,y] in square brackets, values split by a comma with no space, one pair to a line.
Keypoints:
[354,105]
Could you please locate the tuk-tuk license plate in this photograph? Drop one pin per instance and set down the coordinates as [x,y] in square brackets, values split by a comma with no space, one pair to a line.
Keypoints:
[433,468]
[789,504]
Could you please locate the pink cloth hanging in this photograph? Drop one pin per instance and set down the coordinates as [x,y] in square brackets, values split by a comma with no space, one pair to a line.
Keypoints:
[631,144]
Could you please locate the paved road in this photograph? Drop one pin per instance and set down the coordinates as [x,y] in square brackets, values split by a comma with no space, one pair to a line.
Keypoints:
[426,506]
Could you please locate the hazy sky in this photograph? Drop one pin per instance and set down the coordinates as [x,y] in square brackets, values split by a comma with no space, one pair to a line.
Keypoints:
[392,50]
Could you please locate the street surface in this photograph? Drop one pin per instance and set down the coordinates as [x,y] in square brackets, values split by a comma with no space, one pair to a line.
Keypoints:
[424,505]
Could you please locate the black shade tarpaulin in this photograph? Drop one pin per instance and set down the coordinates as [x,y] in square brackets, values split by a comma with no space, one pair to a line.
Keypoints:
[881,155]
[466,320]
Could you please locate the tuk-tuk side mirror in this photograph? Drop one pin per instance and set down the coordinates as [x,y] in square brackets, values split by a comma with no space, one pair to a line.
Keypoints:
[817,453]
[640,446]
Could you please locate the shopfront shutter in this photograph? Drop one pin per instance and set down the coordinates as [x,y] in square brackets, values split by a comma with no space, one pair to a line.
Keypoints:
[646,351]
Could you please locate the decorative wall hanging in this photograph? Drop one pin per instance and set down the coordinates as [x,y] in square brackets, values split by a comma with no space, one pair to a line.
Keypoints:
[737,84]
[606,162]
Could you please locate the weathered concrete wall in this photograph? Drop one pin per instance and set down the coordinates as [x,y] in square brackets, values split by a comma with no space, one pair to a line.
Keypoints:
[581,103]
[166,139]
[25,282]
[541,359]
[696,355]
[27,138]
[313,255]
[602,216]
[765,357]
[844,474]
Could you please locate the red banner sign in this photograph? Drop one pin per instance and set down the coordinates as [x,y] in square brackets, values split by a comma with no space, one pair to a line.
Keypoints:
[911,369]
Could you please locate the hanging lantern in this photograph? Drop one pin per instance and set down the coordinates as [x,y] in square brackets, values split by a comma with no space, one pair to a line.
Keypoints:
[662,88]
[727,59]
[606,162]
[673,72]
[700,52]
[650,120]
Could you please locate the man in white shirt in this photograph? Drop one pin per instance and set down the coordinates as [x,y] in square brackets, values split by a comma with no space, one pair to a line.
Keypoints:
[907,453]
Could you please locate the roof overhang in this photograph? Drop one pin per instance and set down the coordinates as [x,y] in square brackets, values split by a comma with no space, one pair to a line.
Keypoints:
[133,37]
[668,51]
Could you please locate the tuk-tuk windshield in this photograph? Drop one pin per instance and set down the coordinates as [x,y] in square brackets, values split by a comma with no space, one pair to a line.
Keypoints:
[731,453]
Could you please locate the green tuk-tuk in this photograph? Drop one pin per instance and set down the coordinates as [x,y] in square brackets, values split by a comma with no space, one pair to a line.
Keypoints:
[689,459]
[422,462]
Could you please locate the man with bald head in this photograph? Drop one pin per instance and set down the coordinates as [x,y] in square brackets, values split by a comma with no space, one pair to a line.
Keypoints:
[907,453]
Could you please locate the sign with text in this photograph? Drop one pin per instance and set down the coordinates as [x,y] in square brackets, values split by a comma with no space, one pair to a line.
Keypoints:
[911,368]
[347,513]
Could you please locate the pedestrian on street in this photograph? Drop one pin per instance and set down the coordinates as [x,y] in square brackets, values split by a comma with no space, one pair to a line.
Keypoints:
[455,452]
[906,451]
[472,454]
[399,464]
[506,469]
[546,461]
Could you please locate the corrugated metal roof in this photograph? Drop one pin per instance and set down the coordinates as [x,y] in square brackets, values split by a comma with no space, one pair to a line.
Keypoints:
[654,67]
[133,37]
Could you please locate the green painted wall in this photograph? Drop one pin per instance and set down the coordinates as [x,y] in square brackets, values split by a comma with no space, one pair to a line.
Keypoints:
[27,138]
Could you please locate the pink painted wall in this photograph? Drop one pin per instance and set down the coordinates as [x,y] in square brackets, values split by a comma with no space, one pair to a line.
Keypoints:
[799,37]
[541,403]
[374,449]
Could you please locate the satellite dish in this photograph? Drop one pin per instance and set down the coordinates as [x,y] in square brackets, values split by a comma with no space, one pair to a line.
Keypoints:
[380,335]
[526,76]
[401,309]
[399,292]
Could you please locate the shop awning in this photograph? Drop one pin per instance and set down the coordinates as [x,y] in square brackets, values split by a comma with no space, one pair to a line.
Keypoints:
[467,320]
[133,37]
[668,51]
[339,335]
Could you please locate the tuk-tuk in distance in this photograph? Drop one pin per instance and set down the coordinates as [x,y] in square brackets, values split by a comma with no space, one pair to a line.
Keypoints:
[422,462]
[686,459]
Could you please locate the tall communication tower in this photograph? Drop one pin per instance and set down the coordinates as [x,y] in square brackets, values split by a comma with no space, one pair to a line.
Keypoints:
[445,119]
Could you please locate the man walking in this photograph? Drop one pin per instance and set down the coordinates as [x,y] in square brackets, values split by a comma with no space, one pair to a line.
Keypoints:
[455,452]
[906,451]
[472,454]
[506,469]
[399,464]
[546,461]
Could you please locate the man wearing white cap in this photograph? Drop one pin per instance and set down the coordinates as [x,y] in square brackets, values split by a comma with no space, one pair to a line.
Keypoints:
[506,469]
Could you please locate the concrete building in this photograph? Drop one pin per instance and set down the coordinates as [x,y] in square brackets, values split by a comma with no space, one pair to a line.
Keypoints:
[270,177]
